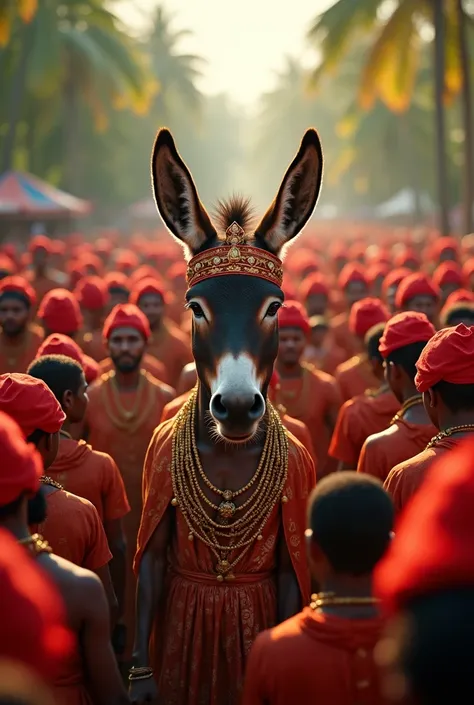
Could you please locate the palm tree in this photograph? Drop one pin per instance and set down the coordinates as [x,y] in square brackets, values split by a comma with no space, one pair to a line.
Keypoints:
[393,59]
[10,12]
[465,62]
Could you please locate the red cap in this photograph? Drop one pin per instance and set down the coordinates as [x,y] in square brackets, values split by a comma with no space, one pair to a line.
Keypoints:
[447,357]
[88,260]
[394,278]
[404,329]
[468,268]
[126,259]
[378,270]
[40,242]
[146,271]
[458,296]
[443,244]
[351,273]
[293,315]
[177,271]
[58,344]
[32,613]
[145,287]
[92,293]
[365,314]
[406,256]
[18,285]
[21,465]
[117,280]
[127,316]
[31,403]
[416,284]
[433,547]
[448,272]
[313,284]
[7,265]
[60,312]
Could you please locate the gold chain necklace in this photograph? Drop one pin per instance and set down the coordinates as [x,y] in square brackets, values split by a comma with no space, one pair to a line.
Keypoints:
[408,404]
[323,599]
[36,544]
[449,432]
[124,419]
[46,480]
[229,542]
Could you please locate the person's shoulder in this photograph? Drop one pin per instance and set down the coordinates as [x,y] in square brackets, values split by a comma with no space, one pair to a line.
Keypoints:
[339,321]
[36,333]
[377,441]
[162,436]
[408,471]
[318,376]
[301,470]
[94,389]
[348,366]
[271,641]
[165,390]
[99,459]
[73,503]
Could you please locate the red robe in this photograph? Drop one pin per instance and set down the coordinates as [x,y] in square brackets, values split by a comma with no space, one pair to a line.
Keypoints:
[355,377]
[358,419]
[315,659]
[399,442]
[18,357]
[204,629]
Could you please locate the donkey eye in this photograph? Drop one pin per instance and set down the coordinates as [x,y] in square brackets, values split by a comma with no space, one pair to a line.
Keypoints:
[272,310]
[196,309]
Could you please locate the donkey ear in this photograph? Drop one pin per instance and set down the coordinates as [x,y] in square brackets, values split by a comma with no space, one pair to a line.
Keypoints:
[176,196]
[296,198]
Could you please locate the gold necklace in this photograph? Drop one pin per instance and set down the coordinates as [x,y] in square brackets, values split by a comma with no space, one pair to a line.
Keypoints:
[449,432]
[36,544]
[45,480]
[229,542]
[408,404]
[323,599]
[128,420]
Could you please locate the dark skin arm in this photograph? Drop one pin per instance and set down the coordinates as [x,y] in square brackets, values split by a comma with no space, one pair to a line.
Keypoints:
[104,575]
[288,592]
[103,677]
[149,592]
[118,547]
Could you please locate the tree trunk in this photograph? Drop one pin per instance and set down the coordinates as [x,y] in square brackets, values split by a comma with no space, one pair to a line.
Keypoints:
[466,101]
[70,131]
[439,84]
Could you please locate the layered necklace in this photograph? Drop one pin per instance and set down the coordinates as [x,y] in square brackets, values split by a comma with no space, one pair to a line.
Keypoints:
[467,428]
[408,404]
[239,526]
[129,420]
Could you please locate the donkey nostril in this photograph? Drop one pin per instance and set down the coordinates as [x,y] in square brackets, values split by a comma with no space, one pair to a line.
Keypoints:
[218,408]
[257,408]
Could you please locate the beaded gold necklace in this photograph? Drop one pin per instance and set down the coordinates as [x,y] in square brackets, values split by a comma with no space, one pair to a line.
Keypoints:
[36,544]
[46,480]
[240,525]
[408,404]
[450,432]
[324,599]
[124,419]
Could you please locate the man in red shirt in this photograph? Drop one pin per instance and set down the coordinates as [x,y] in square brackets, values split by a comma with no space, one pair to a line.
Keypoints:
[19,337]
[418,293]
[324,654]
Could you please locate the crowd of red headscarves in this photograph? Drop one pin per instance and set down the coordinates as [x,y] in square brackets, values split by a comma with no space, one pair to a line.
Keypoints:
[335,291]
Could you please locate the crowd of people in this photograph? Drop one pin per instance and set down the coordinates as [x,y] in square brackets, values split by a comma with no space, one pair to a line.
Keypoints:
[374,379]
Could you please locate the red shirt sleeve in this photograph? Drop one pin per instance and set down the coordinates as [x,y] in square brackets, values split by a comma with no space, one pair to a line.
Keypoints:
[114,495]
[97,552]
[255,690]
[341,446]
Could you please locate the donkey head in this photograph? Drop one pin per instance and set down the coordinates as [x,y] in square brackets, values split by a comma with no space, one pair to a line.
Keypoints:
[235,323]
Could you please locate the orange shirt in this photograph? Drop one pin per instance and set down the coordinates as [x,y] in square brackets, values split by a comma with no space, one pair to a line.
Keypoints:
[92,475]
[405,479]
[74,530]
[92,344]
[149,364]
[173,349]
[355,377]
[313,399]
[18,357]
[197,612]
[358,419]
[400,441]
[315,659]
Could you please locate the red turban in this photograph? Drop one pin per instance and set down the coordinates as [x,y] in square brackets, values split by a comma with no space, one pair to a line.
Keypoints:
[21,465]
[404,329]
[32,614]
[378,270]
[405,257]
[127,316]
[433,547]
[60,312]
[416,284]
[104,246]
[289,289]
[351,273]
[314,284]
[18,285]
[92,293]
[91,262]
[468,268]
[76,272]
[458,296]
[7,265]
[40,242]
[145,287]
[146,271]
[31,403]
[365,314]
[394,278]
[442,245]
[117,280]
[177,271]
[448,272]
[126,259]
[448,357]
[58,344]
[293,315]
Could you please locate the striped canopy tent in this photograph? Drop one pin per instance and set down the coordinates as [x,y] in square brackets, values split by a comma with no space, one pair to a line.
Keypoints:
[25,197]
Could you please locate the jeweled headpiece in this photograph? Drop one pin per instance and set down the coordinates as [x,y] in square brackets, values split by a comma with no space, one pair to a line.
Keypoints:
[234,257]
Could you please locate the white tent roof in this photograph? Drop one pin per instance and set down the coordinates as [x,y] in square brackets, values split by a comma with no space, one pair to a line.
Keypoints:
[404,203]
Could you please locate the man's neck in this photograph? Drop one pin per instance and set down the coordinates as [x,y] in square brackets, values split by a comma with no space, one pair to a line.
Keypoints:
[157,327]
[16,339]
[462,418]
[415,414]
[65,429]
[127,380]
[291,371]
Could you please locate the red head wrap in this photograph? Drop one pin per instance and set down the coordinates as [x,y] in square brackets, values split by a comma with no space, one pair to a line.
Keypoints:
[448,272]
[126,259]
[92,293]
[458,296]
[351,273]
[7,265]
[31,403]
[91,263]
[145,287]
[146,271]
[365,314]
[293,315]
[433,548]
[21,465]
[416,284]
[378,270]
[32,613]
[447,357]
[40,242]
[58,344]
[468,268]
[18,285]
[314,284]
[127,316]
[406,256]
[117,280]
[394,278]
[404,329]
[444,244]
[60,312]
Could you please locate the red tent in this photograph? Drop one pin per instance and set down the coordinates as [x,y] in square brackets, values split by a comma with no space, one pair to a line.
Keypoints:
[25,196]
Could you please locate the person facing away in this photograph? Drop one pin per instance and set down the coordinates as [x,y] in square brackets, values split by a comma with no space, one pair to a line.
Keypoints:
[90,675]
[19,337]
[80,469]
[324,654]
[404,338]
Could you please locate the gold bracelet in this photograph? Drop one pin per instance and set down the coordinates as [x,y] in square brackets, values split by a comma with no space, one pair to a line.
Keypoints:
[140,673]
[145,677]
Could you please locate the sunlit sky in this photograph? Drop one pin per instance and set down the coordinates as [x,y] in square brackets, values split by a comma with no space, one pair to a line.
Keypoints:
[244,41]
